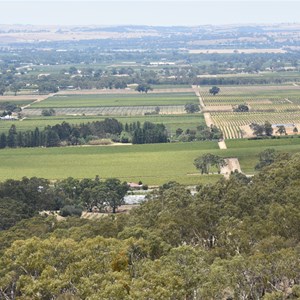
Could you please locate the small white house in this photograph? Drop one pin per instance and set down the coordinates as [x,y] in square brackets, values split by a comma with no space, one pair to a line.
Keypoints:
[8,118]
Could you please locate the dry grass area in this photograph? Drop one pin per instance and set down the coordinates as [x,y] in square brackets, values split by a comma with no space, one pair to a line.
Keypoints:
[263,101]
[218,108]
[247,131]
[12,98]
[124,209]
[15,37]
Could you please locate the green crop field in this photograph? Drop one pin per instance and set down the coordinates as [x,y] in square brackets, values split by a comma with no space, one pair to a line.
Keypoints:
[116,100]
[172,122]
[153,164]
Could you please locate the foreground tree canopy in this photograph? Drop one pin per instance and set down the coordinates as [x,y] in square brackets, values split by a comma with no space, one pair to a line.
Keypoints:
[236,239]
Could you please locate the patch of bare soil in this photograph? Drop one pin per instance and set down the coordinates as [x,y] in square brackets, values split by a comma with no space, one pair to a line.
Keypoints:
[19,97]
[247,131]
[222,145]
[265,101]
[232,164]
[218,108]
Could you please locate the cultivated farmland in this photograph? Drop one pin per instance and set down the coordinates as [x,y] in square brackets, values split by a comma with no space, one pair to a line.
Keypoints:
[110,110]
[117,100]
[153,164]
[276,104]
[266,95]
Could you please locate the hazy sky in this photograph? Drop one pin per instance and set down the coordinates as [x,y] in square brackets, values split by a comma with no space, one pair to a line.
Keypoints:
[148,12]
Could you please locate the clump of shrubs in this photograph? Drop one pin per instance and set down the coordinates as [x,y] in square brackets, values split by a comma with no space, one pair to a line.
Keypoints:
[71,210]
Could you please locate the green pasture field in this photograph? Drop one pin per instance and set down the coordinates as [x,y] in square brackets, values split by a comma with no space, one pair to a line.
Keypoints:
[264,143]
[153,164]
[172,122]
[152,99]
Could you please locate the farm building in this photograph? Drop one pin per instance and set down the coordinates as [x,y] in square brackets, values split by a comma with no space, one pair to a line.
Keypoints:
[8,118]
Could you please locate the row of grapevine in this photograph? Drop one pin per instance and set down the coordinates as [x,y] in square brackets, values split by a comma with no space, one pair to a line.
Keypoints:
[113,110]
[231,123]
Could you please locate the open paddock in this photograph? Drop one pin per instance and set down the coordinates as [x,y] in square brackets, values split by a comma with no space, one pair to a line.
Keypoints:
[153,164]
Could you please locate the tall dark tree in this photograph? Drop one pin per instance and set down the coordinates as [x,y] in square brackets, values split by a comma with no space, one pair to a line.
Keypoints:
[12,137]
[144,88]
[268,128]
[191,108]
[3,140]
[214,90]
[51,138]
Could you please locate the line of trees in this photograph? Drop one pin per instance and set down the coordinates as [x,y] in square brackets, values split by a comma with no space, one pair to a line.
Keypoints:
[61,134]
[67,134]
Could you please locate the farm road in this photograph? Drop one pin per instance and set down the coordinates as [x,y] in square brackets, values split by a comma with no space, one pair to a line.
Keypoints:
[208,119]
[39,99]
[197,92]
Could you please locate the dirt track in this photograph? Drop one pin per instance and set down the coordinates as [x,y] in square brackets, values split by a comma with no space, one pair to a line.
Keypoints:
[208,119]
[39,99]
